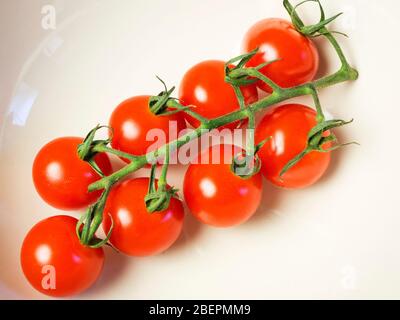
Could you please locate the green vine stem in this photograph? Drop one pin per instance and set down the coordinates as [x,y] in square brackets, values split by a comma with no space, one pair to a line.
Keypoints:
[237,75]
[159,194]
[345,73]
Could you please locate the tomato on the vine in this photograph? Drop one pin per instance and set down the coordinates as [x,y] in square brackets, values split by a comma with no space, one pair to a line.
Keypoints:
[296,56]
[288,126]
[61,178]
[131,122]
[204,87]
[136,231]
[215,195]
[55,262]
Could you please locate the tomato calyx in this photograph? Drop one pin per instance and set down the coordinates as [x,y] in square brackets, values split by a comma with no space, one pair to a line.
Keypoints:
[240,75]
[90,147]
[320,135]
[315,30]
[236,78]
[317,141]
[86,150]
[247,164]
[158,197]
[163,104]
[159,194]
[158,103]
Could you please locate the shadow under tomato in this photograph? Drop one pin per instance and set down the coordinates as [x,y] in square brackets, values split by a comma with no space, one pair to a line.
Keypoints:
[115,264]
[270,202]
[192,229]
[325,62]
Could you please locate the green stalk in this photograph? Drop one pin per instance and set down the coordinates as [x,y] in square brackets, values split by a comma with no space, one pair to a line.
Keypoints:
[102,148]
[344,74]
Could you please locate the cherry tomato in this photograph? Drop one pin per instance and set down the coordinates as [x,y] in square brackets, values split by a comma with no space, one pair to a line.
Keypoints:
[62,179]
[204,87]
[137,232]
[215,195]
[288,126]
[277,39]
[55,262]
[132,120]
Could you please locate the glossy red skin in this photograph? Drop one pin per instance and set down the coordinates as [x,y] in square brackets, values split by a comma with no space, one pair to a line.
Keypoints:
[76,267]
[136,112]
[137,232]
[216,98]
[231,201]
[288,126]
[62,179]
[278,39]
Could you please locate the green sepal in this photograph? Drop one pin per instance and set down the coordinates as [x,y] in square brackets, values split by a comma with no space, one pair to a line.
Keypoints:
[242,164]
[294,161]
[316,141]
[261,144]
[320,128]
[86,148]
[246,159]
[239,75]
[242,59]
[158,197]
[311,30]
[159,200]
[245,76]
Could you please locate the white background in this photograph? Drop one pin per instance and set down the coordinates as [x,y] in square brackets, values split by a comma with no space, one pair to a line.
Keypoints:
[338,239]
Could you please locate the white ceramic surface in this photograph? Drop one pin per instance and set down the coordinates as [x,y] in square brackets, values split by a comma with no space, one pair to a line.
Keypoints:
[338,239]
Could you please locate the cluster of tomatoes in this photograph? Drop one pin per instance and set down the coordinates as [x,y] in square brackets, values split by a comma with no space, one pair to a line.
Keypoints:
[213,193]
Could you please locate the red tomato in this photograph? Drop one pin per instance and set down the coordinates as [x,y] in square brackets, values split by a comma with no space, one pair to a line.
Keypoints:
[62,179]
[215,195]
[289,125]
[55,262]
[278,39]
[204,87]
[137,232]
[132,120]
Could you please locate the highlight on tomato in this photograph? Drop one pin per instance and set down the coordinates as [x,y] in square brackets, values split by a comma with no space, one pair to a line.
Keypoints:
[204,87]
[293,57]
[215,195]
[54,261]
[61,178]
[288,126]
[136,232]
[133,119]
